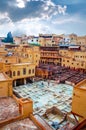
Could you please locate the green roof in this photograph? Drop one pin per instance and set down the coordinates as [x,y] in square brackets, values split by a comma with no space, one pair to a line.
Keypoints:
[35,44]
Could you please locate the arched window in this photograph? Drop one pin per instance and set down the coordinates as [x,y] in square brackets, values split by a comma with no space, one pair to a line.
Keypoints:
[14,73]
[33,71]
[18,73]
[24,70]
[29,71]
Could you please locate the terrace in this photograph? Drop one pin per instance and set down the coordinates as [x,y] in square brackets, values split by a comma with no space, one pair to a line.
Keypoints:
[25,124]
[8,108]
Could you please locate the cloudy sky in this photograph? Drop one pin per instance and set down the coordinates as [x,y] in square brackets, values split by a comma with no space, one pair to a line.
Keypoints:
[32,17]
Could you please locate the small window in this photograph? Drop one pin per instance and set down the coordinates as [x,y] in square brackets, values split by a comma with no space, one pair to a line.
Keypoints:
[6,61]
[24,70]
[11,74]
[18,73]
[14,73]
[30,71]
[33,71]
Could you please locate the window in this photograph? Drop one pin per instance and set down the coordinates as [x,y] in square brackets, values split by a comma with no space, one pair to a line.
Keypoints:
[6,61]
[18,73]
[13,73]
[24,70]
[10,74]
[30,71]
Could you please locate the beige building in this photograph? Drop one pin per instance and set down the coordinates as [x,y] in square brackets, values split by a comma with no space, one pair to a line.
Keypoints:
[17,40]
[19,63]
[81,40]
[22,73]
[20,54]
[50,55]
[5,85]
[49,39]
[73,59]
[73,38]
[78,103]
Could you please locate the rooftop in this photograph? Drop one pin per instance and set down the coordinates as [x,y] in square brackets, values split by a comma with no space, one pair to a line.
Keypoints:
[22,64]
[25,124]
[8,108]
[82,85]
[3,77]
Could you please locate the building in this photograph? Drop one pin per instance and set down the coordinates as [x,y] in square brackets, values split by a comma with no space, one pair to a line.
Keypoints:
[19,62]
[81,40]
[73,59]
[78,103]
[5,85]
[22,73]
[49,39]
[50,55]
[73,38]
[17,40]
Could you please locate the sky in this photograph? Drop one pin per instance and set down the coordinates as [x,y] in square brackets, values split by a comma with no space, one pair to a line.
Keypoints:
[32,17]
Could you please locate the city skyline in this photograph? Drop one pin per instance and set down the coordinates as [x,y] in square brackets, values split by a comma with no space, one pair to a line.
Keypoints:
[32,17]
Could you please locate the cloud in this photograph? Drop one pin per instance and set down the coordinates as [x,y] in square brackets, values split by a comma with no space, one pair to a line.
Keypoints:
[62,9]
[21,3]
[34,27]
[68,19]
[20,9]
[41,16]
[4,18]
[30,27]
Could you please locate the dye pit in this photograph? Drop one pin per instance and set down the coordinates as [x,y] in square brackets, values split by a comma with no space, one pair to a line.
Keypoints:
[46,94]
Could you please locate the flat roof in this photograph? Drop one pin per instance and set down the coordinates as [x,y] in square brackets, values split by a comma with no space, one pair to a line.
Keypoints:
[25,124]
[22,64]
[4,77]
[81,85]
[74,46]
[8,108]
